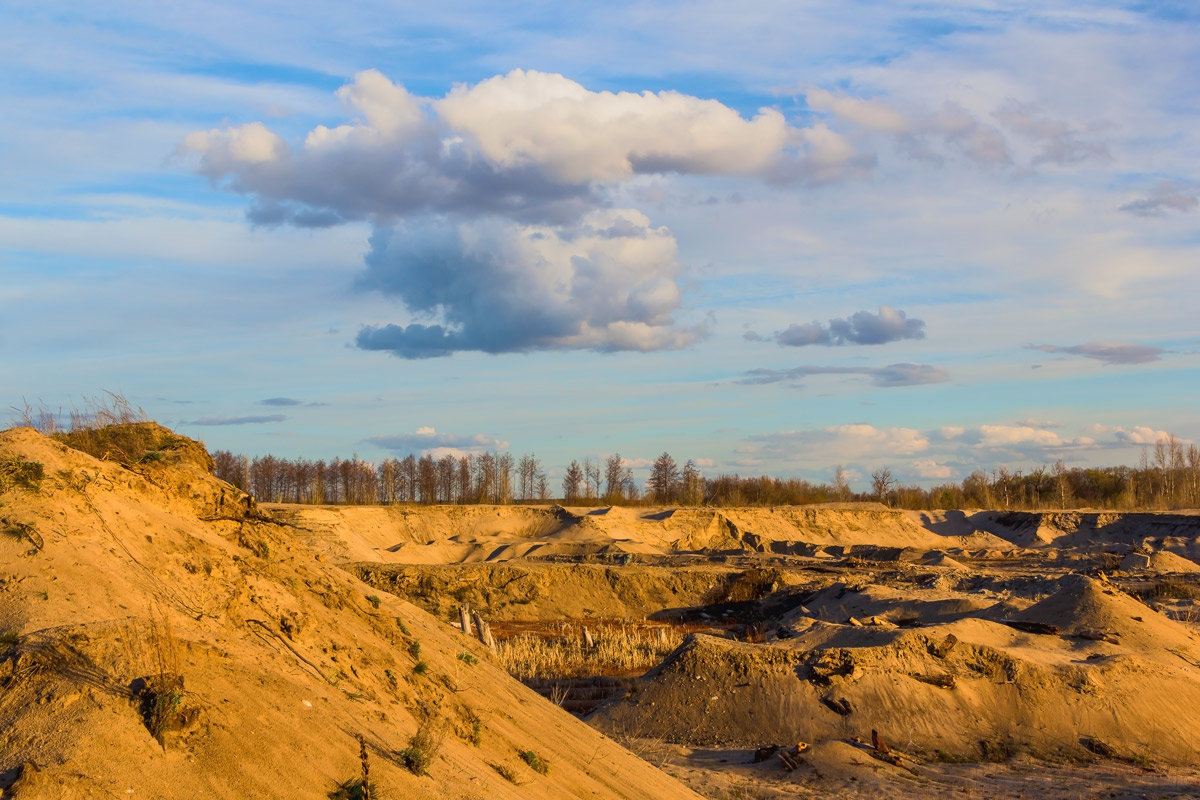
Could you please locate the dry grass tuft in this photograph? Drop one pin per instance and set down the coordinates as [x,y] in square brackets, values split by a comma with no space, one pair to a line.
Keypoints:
[620,649]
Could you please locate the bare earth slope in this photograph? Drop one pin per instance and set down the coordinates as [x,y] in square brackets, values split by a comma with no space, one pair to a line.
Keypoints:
[160,638]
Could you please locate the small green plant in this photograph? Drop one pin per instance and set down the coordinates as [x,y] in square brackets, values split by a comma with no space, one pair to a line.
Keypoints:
[403,628]
[420,668]
[476,731]
[422,748]
[8,639]
[468,658]
[353,789]
[535,762]
[20,471]
[374,600]
[414,649]
[391,678]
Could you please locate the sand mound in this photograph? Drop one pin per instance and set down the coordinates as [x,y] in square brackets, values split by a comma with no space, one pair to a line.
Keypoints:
[991,689]
[1162,561]
[162,638]
[1089,608]
[840,603]
[940,559]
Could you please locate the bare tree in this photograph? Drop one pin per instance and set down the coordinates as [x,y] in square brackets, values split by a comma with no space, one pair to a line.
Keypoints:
[882,482]
[1063,480]
[591,477]
[614,477]
[572,482]
[691,484]
[664,478]
[841,484]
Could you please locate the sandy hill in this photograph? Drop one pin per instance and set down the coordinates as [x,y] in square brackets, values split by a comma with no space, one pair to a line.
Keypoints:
[958,684]
[1169,532]
[161,638]
[470,534]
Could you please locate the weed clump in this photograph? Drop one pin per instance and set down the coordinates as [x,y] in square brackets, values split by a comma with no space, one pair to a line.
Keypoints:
[1171,589]
[506,772]
[422,749]
[354,789]
[374,600]
[535,762]
[19,471]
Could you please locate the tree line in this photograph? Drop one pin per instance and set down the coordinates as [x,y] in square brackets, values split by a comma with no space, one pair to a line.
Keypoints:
[1168,476]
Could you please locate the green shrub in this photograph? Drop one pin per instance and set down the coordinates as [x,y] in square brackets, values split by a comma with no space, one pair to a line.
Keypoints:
[20,471]
[422,748]
[535,762]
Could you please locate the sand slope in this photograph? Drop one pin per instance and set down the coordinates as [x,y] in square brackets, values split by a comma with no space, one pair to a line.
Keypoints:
[121,589]
[1106,675]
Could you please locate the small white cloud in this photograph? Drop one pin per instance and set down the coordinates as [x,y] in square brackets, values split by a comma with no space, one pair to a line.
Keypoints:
[1107,353]
[1008,435]
[427,440]
[871,114]
[928,468]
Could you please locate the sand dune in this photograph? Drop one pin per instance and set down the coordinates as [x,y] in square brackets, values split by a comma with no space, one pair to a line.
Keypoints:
[158,600]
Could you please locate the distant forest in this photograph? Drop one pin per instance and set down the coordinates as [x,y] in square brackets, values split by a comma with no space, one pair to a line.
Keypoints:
[1168,476]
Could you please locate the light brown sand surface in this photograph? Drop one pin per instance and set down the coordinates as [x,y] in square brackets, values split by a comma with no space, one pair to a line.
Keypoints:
[166,637]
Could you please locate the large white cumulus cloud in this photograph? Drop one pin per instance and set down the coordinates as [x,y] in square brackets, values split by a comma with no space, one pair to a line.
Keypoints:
[576,135]
[608,282]
[528,145]
[489,204]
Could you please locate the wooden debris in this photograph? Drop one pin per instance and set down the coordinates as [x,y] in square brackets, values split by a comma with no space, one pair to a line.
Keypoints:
[765,752]
[1094,745]
[588,641]
[483,631]
[854,622]
[464,619]
[881,751]
[1099,636]
[945,681]
[1031,627]
[840,705]
[790,758]
[943,648]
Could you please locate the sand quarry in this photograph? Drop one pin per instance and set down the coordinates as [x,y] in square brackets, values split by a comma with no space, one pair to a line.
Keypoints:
[164,636]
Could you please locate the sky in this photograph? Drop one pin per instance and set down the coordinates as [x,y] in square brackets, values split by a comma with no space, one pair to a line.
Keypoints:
[773,237]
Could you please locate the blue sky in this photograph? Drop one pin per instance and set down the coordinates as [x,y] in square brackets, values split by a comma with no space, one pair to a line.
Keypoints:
[773,238]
